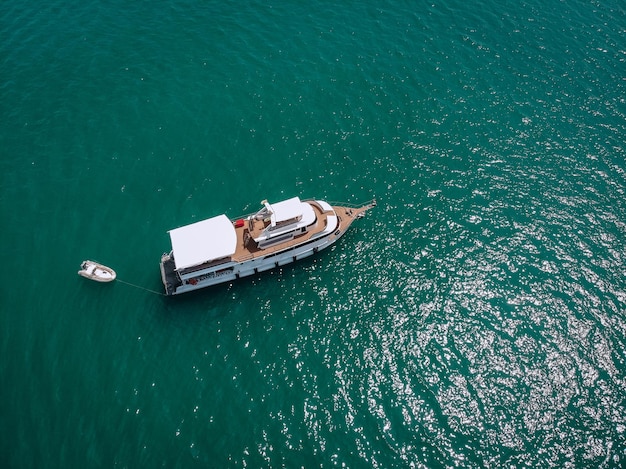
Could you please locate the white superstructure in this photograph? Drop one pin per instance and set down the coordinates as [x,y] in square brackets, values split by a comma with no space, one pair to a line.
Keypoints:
[189,242]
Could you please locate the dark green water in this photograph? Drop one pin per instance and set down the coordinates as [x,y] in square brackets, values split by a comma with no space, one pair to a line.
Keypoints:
[475,318]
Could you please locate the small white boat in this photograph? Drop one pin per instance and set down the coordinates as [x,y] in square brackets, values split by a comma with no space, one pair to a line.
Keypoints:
[98,272]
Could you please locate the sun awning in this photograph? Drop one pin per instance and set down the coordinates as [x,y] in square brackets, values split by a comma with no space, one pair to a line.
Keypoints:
[204,241]
[286,210]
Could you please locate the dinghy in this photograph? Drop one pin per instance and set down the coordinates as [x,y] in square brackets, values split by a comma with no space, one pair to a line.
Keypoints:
[98,272]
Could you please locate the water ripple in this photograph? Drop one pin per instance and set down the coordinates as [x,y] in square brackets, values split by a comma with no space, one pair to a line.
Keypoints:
[475,318]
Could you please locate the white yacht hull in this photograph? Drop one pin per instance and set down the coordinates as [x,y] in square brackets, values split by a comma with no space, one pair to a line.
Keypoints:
[244,257]
[232,271]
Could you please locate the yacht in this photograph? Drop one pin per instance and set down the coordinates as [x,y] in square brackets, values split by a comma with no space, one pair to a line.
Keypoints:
[220,249]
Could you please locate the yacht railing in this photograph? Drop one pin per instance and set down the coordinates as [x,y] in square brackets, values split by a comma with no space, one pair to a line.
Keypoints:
[368,204]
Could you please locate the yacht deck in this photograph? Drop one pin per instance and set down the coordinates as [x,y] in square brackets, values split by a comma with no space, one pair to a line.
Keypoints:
[247,248]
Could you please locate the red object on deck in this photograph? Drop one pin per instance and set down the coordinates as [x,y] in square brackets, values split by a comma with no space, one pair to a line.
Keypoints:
[239,223]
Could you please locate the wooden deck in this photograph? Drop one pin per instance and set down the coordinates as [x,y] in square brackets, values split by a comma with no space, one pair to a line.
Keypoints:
[247,249]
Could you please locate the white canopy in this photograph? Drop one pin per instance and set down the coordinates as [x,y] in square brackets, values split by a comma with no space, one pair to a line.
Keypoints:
[204,241]
[286,210]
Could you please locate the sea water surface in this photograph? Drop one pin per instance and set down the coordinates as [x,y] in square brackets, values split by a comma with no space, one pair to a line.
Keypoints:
[475,318]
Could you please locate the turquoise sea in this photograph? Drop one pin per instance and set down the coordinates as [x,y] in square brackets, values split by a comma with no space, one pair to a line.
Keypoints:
[476,318]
